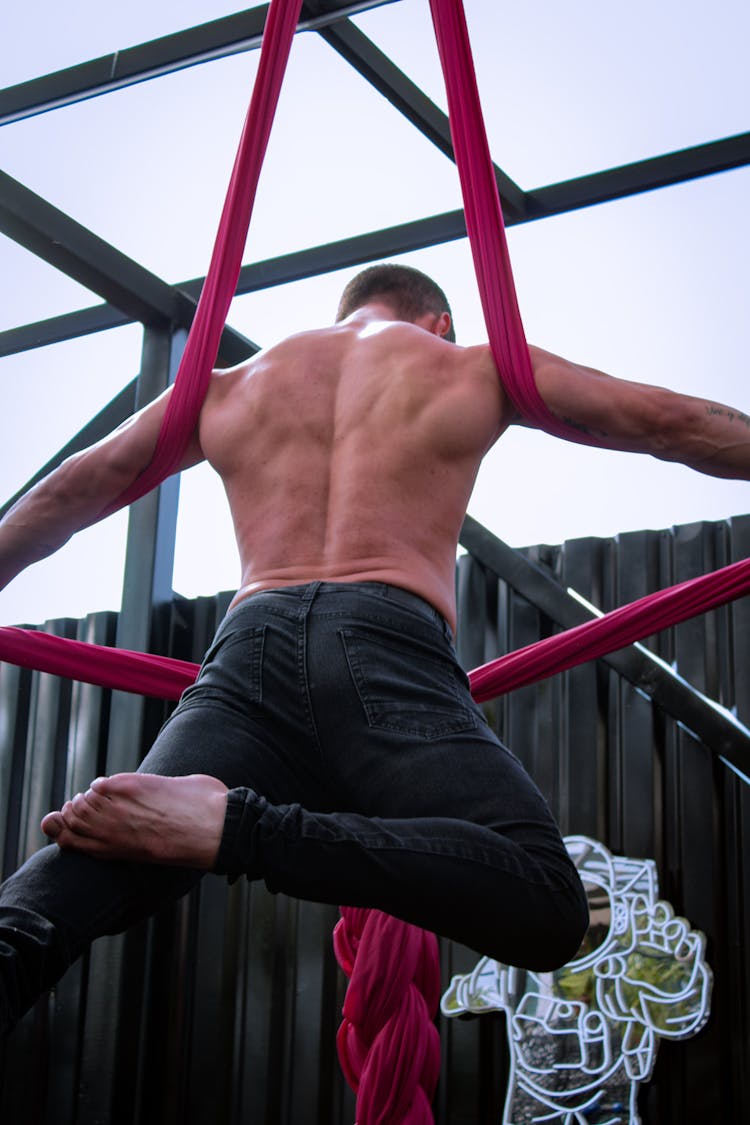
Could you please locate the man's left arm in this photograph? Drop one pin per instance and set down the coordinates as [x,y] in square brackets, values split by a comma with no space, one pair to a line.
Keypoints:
[639,418]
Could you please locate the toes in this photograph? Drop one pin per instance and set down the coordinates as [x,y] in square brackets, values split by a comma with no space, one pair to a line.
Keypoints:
[118,785]
[104,785]
[52,825]
[78,816]
[55,827]
[95,803]
[79,805]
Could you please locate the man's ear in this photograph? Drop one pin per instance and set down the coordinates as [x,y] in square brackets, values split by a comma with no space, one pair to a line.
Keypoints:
[443,324]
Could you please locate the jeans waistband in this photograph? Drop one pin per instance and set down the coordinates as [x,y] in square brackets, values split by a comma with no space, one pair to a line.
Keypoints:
[395,594]
[311,592]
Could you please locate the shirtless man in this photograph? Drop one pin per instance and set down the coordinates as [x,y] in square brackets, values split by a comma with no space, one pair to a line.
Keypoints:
[330,745]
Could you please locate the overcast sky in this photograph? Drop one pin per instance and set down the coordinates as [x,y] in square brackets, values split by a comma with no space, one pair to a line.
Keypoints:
[652,288]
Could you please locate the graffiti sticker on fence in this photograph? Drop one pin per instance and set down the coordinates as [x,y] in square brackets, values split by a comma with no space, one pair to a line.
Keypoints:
[584,1037]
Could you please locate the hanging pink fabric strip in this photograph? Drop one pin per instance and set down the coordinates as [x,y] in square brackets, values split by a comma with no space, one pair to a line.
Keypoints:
[219,287]
[484,223]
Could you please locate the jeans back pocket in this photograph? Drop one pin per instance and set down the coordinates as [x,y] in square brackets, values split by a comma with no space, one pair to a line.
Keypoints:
[405,684]
[232,669]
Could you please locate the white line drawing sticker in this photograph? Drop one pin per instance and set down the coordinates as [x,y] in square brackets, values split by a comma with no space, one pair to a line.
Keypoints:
[584,1037]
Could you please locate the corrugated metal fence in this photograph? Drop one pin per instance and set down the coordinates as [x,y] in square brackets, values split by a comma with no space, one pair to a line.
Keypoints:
[223,1010]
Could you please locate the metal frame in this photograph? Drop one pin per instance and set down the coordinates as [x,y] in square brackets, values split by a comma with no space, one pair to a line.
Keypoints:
[131,293]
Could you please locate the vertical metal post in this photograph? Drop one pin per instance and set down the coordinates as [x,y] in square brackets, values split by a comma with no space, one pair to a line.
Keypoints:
[147,583]
[149,556]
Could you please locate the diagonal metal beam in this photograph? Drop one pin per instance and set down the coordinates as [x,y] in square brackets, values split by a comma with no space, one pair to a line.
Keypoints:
[115,412]
[55,237]
[67,326]
[361,53]
[710,722]
[213,40]
[642,175]
[68,246]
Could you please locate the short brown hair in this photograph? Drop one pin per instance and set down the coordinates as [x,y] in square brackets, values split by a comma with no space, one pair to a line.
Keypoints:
[409,292]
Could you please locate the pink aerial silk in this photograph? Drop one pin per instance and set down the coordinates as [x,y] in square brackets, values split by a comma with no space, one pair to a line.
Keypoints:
[387,1043]
[199,357]
[143,673]
[484,224]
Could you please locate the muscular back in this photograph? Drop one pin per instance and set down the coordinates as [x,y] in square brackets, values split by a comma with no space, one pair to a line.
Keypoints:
[349,454]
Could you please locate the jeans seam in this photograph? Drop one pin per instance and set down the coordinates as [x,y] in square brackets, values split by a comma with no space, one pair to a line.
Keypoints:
[304,681]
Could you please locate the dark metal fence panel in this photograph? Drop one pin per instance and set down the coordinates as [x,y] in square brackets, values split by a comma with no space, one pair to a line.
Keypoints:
[614,767]
[224,1008]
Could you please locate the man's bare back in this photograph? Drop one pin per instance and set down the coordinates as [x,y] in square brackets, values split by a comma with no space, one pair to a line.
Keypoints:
[349,453]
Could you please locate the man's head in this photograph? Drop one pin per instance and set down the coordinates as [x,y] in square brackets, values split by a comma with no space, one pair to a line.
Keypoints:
[410,293]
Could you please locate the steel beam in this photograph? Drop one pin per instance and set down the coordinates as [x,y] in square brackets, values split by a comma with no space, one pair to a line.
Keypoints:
[642,175]
[68,246]
[710,722]
[134,721]
[67,326]
[233,346]
[354,251]
[115,412]
[361,53]
[216,39]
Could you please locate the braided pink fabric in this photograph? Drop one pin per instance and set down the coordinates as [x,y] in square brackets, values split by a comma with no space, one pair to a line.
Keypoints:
[388,1044]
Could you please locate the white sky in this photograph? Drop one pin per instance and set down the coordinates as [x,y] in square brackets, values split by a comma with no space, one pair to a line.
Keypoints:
[652,288]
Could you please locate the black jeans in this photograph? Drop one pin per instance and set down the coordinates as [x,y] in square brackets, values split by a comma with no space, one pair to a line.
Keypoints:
[361,772]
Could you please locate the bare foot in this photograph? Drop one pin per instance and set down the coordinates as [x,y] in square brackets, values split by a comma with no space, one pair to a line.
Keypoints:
[144,817]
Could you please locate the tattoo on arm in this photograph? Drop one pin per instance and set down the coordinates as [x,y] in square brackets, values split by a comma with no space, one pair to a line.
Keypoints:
[730,415]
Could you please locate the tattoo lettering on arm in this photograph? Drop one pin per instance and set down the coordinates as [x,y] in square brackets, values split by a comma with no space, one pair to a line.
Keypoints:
[730,415]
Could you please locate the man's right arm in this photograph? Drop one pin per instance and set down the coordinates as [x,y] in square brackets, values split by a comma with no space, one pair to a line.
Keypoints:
[635,417]
[73,496]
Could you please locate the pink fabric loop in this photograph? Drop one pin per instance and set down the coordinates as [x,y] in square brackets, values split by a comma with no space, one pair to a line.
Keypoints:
[388,1044]
[199,357]
[141,672]
[484,223]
